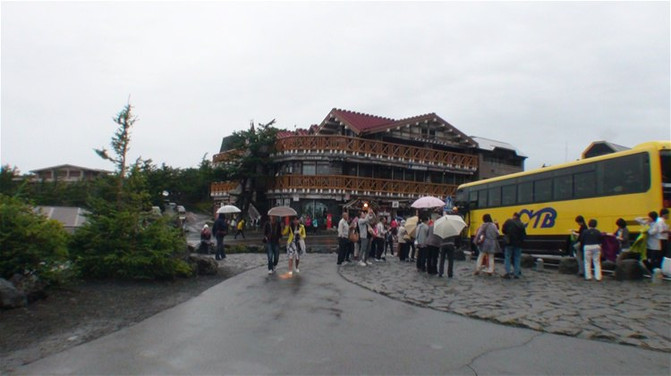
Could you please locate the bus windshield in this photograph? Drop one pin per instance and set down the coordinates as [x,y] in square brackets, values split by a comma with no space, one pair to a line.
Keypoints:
[665,156]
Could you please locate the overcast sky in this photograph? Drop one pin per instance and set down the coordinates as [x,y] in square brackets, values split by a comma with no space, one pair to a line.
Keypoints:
[548,78]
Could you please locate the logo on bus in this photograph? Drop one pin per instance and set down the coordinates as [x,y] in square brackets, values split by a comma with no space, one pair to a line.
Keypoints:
[543,218]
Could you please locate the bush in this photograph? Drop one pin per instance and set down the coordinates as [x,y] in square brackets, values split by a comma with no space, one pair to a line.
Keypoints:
[129,245]
[31,244]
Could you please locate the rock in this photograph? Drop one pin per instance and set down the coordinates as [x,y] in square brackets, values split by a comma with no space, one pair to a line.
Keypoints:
[568,265]
[608,265]
[30,285]
[628,269]
[527,261]
[204,265]
[627,256]
[459,255]
[10,296]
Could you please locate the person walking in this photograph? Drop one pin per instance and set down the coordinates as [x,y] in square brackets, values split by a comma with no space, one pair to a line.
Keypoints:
[240,229]
[514,234]
[363,223]
[272,233]
[487,241]
[343,238]
[664,232]
[591,241]
[295,243]
[220,229]
[578,246]
[205,240]
[421,235]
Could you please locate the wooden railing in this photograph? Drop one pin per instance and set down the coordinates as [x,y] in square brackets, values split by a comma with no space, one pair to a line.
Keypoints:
[229,155]
[357,185]
[372,148]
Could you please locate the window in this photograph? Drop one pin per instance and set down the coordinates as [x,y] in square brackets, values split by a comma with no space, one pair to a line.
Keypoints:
[584,184]
[494,196]
[525,192]
[508,195]
[473,198]
[309,169]
[482,199]
[563,187]
[629,174]
[323,168]
[543,190]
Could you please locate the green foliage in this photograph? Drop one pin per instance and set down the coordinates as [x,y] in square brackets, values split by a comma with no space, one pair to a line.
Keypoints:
[31,244]
[128,244]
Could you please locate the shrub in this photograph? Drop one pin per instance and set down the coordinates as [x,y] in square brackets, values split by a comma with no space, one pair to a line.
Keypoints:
[128,244]
[31,244]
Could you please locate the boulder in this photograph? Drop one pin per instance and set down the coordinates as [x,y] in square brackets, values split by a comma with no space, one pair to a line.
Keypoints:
[30,285]
[204,265]
[608,265]
[628,269]
[568,265]
[10,296]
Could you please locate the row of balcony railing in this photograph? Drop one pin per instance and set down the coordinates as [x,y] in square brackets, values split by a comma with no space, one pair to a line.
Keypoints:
[358,147]
[353,146]
[341,184]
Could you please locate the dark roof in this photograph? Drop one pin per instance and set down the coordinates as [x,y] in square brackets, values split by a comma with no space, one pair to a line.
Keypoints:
[70,217]
[598,148]
[70,166]
[360,122]
[366,123]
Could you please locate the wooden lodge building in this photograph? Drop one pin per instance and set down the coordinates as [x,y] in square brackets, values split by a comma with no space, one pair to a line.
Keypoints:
[351,158]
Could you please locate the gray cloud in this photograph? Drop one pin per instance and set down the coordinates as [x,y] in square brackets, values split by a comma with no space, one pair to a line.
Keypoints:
[548,77]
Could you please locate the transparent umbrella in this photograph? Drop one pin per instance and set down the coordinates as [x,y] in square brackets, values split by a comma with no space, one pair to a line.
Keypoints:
[428,202]
[411,226]
[282,211]
[227,209]
[448,225]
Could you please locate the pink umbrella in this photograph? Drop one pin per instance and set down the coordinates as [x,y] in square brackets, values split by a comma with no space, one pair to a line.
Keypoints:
[428,202]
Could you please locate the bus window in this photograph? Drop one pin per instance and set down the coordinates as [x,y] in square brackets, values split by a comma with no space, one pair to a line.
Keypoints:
[494,196]
[563,187]
[525,192]
[628,174]
[584,184]
[473,199]
[665,156]
[543,190]
[508,195]
[482,199]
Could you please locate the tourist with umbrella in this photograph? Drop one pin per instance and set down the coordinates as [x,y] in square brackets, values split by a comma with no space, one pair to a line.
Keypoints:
[295,243]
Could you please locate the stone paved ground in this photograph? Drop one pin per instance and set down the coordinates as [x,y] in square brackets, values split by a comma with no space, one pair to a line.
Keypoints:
[636,313]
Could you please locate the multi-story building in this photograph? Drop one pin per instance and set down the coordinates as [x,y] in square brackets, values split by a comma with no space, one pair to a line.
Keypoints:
[351,158]
[67,173]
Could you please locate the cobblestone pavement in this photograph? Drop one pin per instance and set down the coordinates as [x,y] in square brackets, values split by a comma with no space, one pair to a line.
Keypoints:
[636,313]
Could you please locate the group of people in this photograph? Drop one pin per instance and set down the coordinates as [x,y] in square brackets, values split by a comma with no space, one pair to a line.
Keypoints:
[367,238]
[655,234]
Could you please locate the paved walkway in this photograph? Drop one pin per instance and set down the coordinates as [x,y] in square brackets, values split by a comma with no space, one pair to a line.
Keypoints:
[636,313]
[315,323]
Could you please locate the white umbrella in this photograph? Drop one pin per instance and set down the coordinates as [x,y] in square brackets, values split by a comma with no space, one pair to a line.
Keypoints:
[427,202]
[282,211]
[448,225]
[227,209]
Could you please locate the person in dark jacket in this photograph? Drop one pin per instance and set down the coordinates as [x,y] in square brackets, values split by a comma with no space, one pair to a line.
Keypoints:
[578,246]
[514,233]
[272,232]
[220,229]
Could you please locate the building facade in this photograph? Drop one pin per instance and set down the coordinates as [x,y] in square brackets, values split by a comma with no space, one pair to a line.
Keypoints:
[67,173]
[351,158]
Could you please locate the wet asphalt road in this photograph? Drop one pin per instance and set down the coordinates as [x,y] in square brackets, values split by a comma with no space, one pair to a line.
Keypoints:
[318,323]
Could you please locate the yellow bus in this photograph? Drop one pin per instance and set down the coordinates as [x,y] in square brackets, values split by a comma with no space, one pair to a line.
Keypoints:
[626,184]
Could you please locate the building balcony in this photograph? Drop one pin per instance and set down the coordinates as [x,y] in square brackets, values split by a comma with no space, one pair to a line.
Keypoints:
[223,189]
[357,186]
[353,148]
